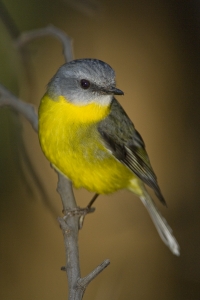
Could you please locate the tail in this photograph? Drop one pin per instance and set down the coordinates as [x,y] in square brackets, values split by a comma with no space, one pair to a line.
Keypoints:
[162,227]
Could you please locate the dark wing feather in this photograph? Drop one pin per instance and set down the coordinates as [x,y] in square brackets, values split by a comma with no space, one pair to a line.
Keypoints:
[126,144]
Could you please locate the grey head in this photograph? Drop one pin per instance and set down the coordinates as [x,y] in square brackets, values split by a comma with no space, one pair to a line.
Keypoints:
[84,81]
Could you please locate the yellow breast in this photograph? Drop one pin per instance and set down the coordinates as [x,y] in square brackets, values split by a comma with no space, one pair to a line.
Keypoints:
[70,140]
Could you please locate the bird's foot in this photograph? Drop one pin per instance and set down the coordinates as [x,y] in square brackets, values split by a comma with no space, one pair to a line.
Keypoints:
[84,212]
[81,212]
[87,210]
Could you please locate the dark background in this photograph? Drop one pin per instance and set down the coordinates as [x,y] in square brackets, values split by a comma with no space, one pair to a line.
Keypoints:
[154,48]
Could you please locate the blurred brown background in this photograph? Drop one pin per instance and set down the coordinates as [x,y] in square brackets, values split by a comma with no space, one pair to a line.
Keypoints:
[154,48]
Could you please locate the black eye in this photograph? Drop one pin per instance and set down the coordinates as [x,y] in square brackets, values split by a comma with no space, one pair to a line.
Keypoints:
[85,84]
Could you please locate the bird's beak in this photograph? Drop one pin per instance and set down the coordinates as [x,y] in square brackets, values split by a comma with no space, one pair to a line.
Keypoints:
[113,90]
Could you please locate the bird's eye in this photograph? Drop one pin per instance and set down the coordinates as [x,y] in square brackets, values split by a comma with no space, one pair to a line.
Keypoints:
[85,84]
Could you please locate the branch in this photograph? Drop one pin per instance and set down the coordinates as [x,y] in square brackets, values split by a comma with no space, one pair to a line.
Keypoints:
[66,41]
[83,282]
[70,223]
[70,227]
[26,109]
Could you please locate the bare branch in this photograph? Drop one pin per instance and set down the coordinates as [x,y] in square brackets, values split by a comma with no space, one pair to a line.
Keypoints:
[66,41]
[64,188]
[70,223]
[26,109]
[83,282]
[70,227]
[77,285]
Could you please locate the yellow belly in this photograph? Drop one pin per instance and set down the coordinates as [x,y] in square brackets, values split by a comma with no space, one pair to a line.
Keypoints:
[70,140]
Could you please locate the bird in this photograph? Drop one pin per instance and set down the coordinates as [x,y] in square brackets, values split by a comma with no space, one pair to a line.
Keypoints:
[86,134]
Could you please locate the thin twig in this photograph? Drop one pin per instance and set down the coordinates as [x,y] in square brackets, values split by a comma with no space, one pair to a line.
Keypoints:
[51,30]
[26,109]
[83,282]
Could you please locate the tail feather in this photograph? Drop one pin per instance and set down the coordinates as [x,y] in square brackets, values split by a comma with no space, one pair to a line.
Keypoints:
[162,227]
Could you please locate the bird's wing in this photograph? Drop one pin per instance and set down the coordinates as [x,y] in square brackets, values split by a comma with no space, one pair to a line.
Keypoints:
[122,139]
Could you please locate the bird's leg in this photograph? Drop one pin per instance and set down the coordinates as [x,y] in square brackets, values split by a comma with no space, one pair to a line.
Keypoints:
[88,209]
[92,201]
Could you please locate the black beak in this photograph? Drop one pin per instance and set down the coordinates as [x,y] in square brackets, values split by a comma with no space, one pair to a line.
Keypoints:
[113,90]
[116,91]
